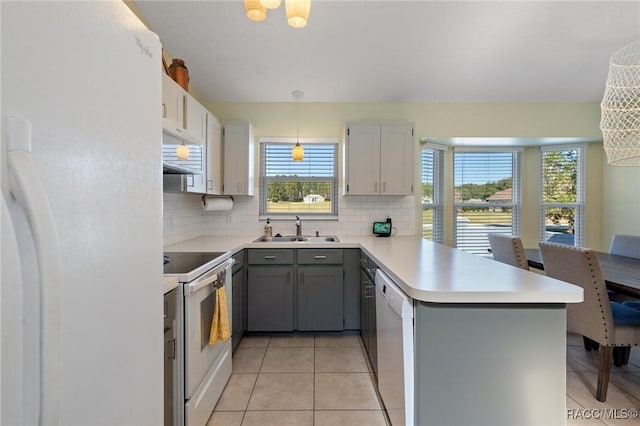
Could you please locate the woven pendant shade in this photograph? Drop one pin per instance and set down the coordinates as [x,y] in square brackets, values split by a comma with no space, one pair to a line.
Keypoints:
[620,122]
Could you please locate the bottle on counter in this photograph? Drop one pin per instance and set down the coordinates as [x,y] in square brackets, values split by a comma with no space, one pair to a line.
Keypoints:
[268,229]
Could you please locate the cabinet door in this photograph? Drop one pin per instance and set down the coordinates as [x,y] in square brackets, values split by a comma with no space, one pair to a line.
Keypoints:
[239,300]
[362,152]
[173,103]
[351,289]
[238,159]
[397,155]
[196,120]
[364,309]
[270,298]
[214,156]
[320,298]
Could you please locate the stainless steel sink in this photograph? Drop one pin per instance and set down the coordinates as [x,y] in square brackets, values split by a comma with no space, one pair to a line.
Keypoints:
[301,239]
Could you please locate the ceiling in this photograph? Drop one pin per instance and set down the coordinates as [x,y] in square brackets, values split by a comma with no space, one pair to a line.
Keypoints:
[399,51]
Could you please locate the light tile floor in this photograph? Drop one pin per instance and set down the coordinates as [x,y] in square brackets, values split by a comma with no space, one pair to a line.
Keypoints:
[326,381]
[300,380]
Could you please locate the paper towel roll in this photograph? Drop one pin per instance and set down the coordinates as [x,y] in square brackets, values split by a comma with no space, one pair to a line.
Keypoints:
[214,204]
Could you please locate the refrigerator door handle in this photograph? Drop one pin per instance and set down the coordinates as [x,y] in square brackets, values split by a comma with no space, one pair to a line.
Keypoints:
[27,188]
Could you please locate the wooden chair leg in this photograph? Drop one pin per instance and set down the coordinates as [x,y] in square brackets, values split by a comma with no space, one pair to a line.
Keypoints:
[606,353]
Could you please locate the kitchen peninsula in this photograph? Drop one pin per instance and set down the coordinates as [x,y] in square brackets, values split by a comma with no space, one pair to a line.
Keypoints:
[489,339]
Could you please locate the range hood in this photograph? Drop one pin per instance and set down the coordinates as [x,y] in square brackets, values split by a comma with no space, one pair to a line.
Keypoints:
[173,169]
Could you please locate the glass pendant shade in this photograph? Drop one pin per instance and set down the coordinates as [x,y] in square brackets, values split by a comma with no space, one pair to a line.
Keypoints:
[182,152]
[271,4]
[297,152]
[255,10]
[620,107]
[297,12]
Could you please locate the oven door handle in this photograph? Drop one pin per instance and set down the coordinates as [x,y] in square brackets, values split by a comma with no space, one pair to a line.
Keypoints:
[207,279]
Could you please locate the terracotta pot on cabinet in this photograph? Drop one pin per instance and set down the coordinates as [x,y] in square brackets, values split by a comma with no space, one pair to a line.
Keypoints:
[179,73]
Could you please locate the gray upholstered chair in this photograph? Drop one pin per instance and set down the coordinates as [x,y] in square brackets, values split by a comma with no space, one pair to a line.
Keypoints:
[508,249]
[625,245]
[608,323]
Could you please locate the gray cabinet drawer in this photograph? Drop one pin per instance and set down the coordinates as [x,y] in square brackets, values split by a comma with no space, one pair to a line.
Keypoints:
[320,256]
[271,256]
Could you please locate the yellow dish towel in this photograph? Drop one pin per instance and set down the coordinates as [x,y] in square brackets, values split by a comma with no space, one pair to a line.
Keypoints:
[220,330]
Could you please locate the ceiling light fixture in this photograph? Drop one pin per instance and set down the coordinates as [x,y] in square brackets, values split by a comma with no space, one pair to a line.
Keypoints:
[297,10]
[255,10]
[182,152]
[297,152]
[620,120]
[271,4]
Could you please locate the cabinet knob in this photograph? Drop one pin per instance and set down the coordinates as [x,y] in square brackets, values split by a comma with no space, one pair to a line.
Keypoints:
[319,257]
[269,257]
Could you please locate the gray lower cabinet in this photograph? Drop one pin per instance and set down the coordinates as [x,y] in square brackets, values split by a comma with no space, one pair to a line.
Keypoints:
[303,289]
[239,299]
[351,289]
[368,329]
[270,290]
[320,296]
[270,298]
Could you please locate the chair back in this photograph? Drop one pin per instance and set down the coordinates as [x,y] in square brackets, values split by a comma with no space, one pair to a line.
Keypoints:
[508,249]
[591,318]
[625,245]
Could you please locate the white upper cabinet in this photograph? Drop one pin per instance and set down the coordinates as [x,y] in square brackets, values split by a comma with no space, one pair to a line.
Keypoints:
[196,120]
[379,159]
[182,115]
[173,106]
[239,150]
[214,156]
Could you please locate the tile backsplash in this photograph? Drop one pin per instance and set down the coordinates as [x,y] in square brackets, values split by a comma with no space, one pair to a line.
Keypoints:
[184,218]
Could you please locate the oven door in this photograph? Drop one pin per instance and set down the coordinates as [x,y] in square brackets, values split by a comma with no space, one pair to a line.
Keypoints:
[200,302]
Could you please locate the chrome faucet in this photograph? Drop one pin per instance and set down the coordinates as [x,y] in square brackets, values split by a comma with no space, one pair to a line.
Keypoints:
[298,227]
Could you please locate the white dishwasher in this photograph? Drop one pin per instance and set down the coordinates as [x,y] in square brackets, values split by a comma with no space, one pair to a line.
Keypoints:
[394,311]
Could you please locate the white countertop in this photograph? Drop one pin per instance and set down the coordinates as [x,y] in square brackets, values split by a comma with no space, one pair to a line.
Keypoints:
[427,271]
[170,283]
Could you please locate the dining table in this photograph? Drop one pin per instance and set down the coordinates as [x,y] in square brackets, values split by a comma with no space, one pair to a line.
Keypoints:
[621,273]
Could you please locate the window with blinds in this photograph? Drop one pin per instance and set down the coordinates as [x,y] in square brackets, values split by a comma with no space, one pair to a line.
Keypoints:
[432,161]
[562,194]
[305,188]
[486,196]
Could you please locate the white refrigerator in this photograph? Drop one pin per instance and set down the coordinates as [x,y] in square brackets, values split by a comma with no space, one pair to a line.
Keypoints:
[81,176]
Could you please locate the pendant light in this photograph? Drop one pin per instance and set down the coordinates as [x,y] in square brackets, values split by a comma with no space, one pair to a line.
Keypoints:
[620,119]
[297,12]
[271,4]
[297,152]
[182,152]
[255,10]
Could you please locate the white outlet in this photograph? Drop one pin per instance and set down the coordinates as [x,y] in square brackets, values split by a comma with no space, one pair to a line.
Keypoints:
[170,222]
[230,218]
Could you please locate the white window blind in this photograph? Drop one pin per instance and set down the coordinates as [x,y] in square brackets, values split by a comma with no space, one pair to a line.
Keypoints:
[562,194]
[304,188]
[486,196]
[432,162]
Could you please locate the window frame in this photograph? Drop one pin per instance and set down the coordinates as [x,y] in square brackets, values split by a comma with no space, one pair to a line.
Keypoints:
[437,202]
[265,180]
[516,194]
[579,204]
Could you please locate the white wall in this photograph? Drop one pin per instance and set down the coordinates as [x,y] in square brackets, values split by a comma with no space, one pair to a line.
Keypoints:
[621,202]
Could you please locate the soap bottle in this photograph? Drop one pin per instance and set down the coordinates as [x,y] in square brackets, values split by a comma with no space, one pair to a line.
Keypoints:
[268,229]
